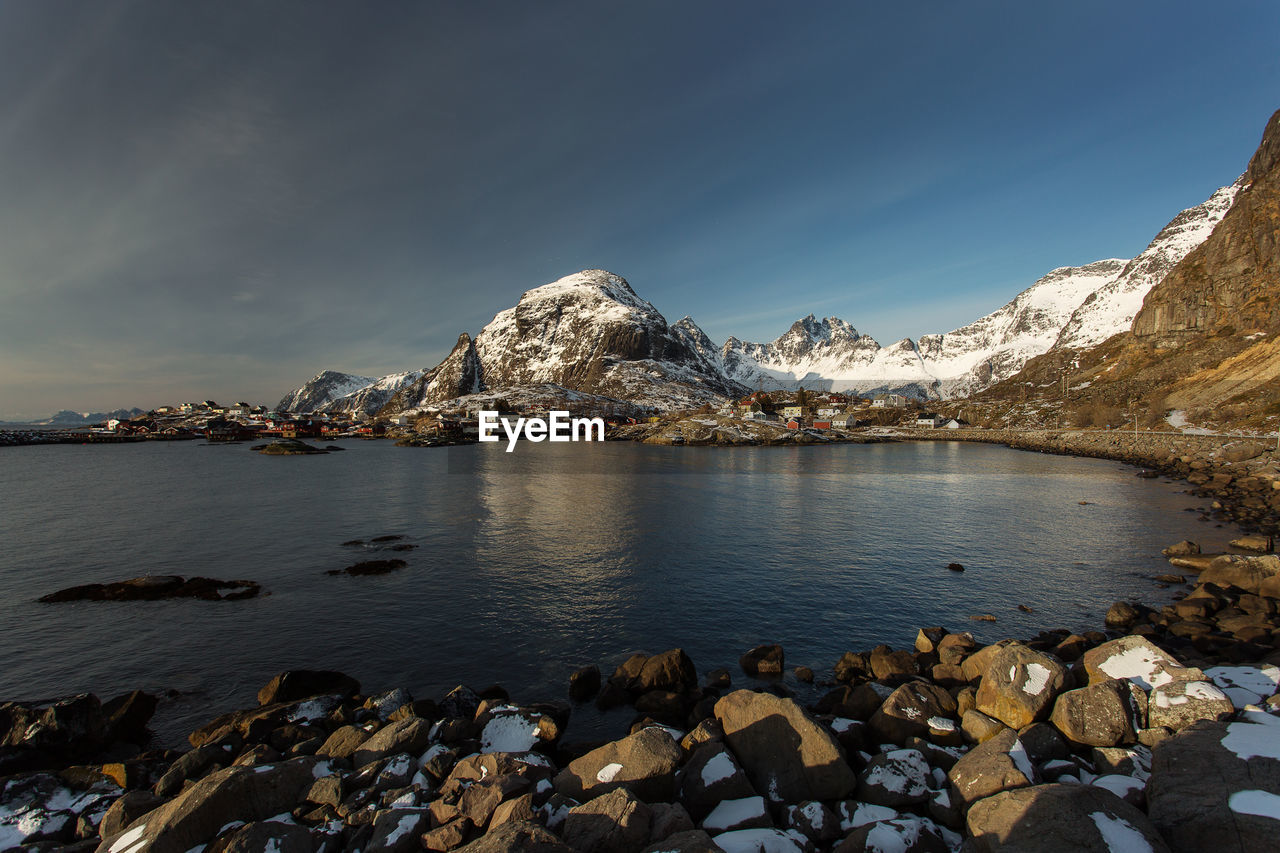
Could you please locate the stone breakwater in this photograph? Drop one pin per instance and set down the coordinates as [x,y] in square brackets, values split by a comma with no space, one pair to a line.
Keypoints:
[1160,733]
[1240,475]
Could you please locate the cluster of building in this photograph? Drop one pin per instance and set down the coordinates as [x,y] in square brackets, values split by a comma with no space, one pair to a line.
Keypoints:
[239,422]
[805,410]
[245,422]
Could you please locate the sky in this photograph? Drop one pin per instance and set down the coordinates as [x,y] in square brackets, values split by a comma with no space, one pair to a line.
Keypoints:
[220,199]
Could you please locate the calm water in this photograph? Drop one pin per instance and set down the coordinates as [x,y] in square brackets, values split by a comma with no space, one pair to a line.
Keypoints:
[532,563]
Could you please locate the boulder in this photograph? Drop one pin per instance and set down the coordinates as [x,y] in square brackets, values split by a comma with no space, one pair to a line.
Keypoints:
[584,684]
[1122,614]
[1216,786]
[888,664]
[668,819]
[1181,703]
[448,836]
[1185,548]
[388,702]
[506,728]
[731,815]
[851,666]
[927,639]
[1019,685]
[645,763]
[1255,542]
[127,716]
[1060,819]
[979,728]
[974,666]
[125,810]
[410,735]
[689,841]
[461,702]
[763,661]
[482,798]
[815,821]
[518,836]
[615,821]
[854,703]
[1102,714]
[711,775]
[895,779]
[671,671]
[1137,660]
[399,831]
[787,755]
[196,815]
[277,837]
[915,709]
[998,764]
[760,841]
[954,648]
[344,741]
[518,808]
[907,834]
[1246,573]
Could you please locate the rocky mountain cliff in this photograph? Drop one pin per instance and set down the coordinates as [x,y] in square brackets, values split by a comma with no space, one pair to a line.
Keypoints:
[1231,282]
[458,375]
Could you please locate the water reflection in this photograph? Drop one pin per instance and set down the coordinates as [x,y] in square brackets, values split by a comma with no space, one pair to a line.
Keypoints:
[529,563]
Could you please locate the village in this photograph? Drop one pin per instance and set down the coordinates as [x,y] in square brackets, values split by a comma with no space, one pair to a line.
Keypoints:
[799,410]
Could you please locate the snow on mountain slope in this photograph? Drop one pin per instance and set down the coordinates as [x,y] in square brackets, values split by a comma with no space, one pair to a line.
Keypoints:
[999,344]
[325,387]
[832,354]
[1111,309]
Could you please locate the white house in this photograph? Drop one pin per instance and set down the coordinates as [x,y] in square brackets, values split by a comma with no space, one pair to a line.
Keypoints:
[929,420]
[888,401]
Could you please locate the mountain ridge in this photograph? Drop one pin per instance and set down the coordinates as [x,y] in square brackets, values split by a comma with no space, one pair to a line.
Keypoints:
[590,332]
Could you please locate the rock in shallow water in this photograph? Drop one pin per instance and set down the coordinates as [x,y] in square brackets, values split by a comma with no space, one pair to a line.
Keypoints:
[156,588]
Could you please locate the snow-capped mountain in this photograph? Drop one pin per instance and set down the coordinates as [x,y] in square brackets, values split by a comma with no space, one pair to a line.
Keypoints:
[589,333]
[1073,307]
[831,354]
[323,388]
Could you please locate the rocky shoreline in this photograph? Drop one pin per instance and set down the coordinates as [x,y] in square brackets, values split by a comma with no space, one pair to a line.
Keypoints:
[1161,732]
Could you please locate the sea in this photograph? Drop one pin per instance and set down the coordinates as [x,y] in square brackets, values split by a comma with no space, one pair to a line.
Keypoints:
[528,565]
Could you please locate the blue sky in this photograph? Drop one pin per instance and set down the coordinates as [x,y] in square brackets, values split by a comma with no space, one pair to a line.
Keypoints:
[219,199]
